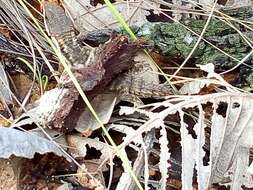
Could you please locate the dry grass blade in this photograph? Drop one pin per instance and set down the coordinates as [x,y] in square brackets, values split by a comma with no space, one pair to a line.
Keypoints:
[198,41]
[213,131]
[244,23]
[30,36]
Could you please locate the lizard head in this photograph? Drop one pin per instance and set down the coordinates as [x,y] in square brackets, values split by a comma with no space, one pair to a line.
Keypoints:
[56,20]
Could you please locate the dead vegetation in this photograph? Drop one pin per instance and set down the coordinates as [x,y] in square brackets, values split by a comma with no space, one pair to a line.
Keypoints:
[88,102]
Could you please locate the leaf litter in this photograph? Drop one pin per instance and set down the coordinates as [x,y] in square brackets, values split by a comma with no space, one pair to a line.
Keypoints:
[185,142]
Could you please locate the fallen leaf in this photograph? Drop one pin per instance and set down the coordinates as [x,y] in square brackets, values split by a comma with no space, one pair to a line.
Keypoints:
[103,105]
[88,17]
[78,146]
[24,144]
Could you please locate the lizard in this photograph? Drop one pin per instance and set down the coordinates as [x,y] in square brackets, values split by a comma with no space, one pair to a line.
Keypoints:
[173,40]
[139,82]
[104,63]
[93,67]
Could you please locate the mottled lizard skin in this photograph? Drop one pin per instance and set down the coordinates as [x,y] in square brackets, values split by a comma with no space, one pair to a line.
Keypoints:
[60,26]
[95,68]
[129,83]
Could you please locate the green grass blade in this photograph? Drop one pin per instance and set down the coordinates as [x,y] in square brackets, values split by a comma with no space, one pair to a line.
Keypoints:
[123,23]
[84,97]
[121,20]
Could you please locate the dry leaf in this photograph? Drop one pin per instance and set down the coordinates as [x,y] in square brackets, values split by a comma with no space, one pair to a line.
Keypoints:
[88,17]
[92,167]
[103,105]
[231,138]
[24,144]
[79,149]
